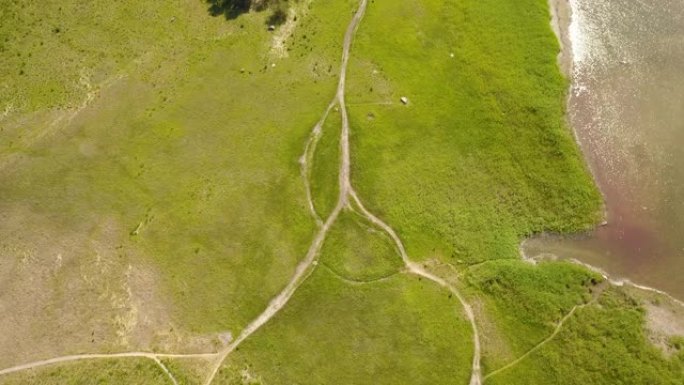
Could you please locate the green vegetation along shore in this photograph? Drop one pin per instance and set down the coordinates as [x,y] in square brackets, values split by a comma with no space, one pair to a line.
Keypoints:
[481,157]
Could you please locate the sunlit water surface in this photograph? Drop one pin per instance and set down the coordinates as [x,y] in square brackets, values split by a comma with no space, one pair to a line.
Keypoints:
[627,107]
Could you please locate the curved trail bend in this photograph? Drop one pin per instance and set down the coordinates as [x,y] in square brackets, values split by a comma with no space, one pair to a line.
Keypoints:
[414,268]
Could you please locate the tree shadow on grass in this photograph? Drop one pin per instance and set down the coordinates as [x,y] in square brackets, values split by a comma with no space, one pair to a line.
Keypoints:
[278,17]
[231,9]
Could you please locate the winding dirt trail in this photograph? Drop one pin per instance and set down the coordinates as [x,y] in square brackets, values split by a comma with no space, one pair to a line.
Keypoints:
[307,265]
[347,199]
[346,191]
[304,269]
[306,159]
[352,281]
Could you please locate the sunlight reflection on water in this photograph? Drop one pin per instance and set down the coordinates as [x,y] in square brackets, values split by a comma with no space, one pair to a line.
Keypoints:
[627,107]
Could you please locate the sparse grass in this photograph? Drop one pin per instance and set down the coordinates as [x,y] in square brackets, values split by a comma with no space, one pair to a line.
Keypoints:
[399,331]
[130,371]
[48,47]
[601,344]
[480,157]
[356,250]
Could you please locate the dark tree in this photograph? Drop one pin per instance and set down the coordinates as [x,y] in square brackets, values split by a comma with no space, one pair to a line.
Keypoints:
[234,8]
[229,8]
[278,16]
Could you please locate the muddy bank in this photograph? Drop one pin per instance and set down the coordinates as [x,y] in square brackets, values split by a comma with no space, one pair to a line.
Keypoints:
[626,107]
[561,16]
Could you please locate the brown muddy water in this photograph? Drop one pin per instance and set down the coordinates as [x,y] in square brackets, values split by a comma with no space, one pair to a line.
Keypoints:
[627,107]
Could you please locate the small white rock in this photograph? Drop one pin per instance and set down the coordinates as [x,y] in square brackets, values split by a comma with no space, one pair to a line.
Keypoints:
[404,100]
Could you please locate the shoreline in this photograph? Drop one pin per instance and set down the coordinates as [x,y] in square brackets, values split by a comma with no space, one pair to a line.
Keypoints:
[561,19]
[619,282]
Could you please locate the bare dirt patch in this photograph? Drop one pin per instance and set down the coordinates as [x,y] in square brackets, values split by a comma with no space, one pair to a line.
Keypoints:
[279,41]
[66,290]
[664,317]
[664,321]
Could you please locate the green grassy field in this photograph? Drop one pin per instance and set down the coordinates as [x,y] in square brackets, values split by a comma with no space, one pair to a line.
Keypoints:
[151,197]
[603,343]
[133,371]
[525,302]
[358,252]
[400,330]
[480,157]
[179,154]
[325,166]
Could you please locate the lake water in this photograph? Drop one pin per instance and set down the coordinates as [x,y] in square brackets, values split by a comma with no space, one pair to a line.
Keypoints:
[627,107]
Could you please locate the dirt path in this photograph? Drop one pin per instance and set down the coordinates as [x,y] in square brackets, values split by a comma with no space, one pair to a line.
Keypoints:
[166,370]
[345,192]
[78,357]
[537,346]
[304,269]
[306,159]
[353,281]
[596,294]
[307,265]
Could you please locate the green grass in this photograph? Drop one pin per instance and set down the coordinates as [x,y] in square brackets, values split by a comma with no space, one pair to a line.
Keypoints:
[356,250]
[47,47]
[133,371]
[194,158]
[325,173]
[188,371]
[526,301]
[480,157]
[401,330]
[600,344]
[185,162]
